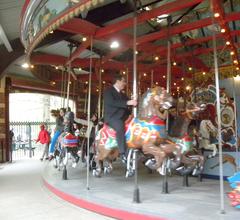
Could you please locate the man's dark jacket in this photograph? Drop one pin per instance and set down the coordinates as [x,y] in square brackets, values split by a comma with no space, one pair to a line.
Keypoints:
[115,105]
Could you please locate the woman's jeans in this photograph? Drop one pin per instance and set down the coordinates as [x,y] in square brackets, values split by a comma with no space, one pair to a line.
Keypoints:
[53,142]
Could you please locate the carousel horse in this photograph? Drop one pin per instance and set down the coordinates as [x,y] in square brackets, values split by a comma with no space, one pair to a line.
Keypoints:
[206,130]
[182,132]
[146,133]
[67,146]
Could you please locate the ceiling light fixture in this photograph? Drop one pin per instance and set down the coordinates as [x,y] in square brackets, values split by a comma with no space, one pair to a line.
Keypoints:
[190,68]
[156,58]
[204,73]
[174,63]
[25,65]
[216,15]
[161,18]
[237,78]
[114,45]
[228,43]
[232,53]
[223,30]
[84,39]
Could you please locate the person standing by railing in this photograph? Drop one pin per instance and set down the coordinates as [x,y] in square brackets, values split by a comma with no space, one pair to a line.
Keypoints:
[58,129]
[44,139]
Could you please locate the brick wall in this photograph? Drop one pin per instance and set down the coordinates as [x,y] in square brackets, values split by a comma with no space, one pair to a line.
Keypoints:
[4,119]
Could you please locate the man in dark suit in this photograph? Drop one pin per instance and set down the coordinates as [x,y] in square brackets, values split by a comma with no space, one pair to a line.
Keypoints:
[116,111]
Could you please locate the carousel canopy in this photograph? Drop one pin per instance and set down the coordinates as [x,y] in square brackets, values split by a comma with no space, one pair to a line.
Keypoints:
[49,32]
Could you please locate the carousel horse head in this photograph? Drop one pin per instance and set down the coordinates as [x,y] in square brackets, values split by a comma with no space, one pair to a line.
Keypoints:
[154,99]
[194,109]
[209,128]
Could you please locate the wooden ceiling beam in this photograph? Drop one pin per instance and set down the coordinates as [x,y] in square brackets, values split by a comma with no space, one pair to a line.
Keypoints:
[147,15]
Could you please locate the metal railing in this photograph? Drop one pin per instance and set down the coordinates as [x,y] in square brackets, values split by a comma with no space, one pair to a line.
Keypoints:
[23,136]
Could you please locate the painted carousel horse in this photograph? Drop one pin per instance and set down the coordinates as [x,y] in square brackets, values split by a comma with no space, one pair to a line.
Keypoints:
[146,133]
[67,147]
[182,132]
[206,130]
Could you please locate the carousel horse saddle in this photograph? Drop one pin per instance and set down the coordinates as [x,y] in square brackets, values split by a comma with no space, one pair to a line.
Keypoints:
[135,129]
[107,136]
[69,140]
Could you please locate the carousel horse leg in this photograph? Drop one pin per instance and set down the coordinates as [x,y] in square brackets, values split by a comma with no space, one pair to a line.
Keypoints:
[159,155]
[199,166]
[99,165]
[130,166]
[75,157]
[108,169]
[173,148]
[100,157]
[212,147]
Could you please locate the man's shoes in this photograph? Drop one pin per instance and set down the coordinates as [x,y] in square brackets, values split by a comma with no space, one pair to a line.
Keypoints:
[123,158]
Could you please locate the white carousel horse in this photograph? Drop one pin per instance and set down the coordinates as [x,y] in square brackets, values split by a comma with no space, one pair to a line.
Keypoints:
[206,129]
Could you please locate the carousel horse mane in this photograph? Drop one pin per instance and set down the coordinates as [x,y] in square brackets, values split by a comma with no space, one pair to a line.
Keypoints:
[152,100]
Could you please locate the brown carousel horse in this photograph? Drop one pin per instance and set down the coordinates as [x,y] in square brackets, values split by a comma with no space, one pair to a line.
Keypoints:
[183,132]
[146,133]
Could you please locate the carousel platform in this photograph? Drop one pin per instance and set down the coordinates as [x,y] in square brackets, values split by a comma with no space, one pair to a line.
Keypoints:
[112,195]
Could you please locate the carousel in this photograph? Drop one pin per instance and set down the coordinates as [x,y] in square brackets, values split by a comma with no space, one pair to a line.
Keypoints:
[180,59]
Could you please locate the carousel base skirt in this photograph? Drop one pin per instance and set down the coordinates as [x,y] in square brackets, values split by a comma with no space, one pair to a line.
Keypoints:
[112,195]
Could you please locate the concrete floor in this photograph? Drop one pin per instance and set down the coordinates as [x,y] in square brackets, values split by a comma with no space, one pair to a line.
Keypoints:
[200,201]
[23,196]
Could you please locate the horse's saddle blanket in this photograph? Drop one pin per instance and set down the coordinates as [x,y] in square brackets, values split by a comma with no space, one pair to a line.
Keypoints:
[134,128]
[69,140]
